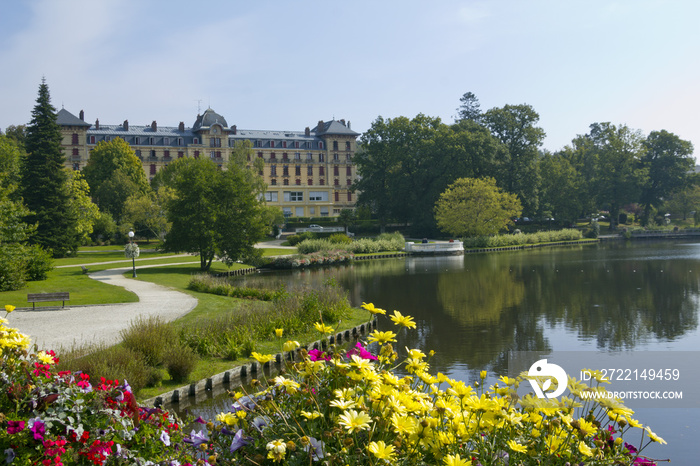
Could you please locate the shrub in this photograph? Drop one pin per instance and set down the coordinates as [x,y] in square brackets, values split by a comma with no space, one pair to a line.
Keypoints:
[149,336]
[39,263]
[339,238]
[180,360]
[567,234]
[13,275]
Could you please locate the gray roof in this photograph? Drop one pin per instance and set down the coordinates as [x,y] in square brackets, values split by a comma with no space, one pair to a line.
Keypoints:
[209,118]
[336,127]
[66,118]
[134,130]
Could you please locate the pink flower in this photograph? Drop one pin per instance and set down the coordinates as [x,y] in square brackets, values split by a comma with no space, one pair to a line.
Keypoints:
[316,355]
[14,427]
[361,352]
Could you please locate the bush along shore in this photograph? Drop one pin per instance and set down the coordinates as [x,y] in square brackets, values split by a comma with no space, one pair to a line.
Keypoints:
[335,407]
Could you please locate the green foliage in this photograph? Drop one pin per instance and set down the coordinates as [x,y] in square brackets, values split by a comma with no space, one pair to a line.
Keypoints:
[205,283]
[215,212]
[293,240]
[13,275]
[38,263]
[180,360]
[82,208]
[521,239]
[114,173]
[384,242]
[476,207]
[104,228]
[44,184]
[146,212]
[340,238]
[150,337]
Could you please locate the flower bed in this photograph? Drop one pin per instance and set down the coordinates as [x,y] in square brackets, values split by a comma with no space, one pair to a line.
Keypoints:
[296,261]
[336,407]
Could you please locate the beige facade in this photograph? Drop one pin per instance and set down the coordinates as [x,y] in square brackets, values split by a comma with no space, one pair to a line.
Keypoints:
[308,173]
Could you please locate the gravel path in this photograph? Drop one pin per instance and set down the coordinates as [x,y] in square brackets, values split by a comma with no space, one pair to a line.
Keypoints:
[53,328]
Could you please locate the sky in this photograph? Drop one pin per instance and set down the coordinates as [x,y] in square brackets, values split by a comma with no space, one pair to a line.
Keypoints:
[285,65]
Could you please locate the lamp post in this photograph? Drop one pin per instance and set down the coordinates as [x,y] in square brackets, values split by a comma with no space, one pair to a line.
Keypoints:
[133,252]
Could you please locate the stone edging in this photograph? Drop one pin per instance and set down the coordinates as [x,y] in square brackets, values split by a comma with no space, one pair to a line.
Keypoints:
[217,384]
[532,246]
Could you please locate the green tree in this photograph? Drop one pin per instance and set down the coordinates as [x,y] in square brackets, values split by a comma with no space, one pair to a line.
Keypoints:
[82,208]
[684,201]
[146,212]
[469,109]
[559,187]
[346,218]
[18,133]
[476,207]
[619,171]
[668,160]
[114,173]
[18,261]
[44,181]
[215,212]
[514,126]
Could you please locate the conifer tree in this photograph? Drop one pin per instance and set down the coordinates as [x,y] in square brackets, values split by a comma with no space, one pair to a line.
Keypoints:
[44,184]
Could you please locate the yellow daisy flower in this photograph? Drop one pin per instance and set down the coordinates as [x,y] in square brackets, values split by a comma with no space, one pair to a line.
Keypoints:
[354,421]
[382,451]
[374,310]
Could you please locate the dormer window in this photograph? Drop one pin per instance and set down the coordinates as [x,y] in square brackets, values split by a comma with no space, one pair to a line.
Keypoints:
[320,145]
[284,144]
[195,141]
[296,144]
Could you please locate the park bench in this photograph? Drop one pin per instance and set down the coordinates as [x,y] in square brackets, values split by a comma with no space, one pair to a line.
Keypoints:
[85,269]
[47,297]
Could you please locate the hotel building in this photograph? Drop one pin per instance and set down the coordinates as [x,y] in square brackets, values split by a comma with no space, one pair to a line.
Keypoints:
[308,173]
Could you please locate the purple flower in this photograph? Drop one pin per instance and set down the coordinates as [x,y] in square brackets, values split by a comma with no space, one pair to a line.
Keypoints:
[316,447]
[239,440]
[38,428]
[260,422]
[15,426]
[200,420]
[197,438]
[165,438]
[9,456]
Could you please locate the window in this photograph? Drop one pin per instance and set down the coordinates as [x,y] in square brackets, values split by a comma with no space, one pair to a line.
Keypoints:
[284,156]
[218,154]
[321,158]
[153,154]
[296,144]
[272,143]
[166,141]
[299,211]
[336,182]
[349,182]
[320,145]
[166,154]
[76,152]
[348,158]
[214,142]
[322,182]
[336,158]
[298,182]
[318,196]
[297,156]
[324,211]
[321,171]
[335,171]
[212,154]
[272,156]
[337,196]
[347,145]
[107,138]
[151,141]
[310,181]
[180,154]
[74,139]
[271,196]
[153,169]
[310,157]
[286,182]
[284,144]
[310,171]
[297,170]
[335,145]
[137,140]
[349,196]
[138,153]
[348,171]
[92,139]
[179,141]
[260,155]
[273,170]
[285,170]
[196,154]
[293,196]
[273,182]
[76,166]
[287,211]
[312,211]
[195,141]
[258,143]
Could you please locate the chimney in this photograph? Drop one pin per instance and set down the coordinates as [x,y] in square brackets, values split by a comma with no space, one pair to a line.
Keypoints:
[82,115]
[348,124]
[181,127]
[342,120]
[319,128]
[97,123]
[307,131]
[126,125]
[154,126]
[234,129]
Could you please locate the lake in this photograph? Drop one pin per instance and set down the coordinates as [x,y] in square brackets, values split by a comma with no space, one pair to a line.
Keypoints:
[635,300]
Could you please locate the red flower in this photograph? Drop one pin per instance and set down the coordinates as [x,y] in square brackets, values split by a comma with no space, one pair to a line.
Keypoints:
[14,427]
